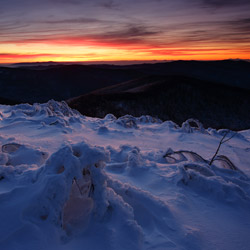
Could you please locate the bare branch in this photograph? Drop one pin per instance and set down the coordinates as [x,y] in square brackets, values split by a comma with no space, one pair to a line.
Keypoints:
[221,142]
[183,151]
[227,161]
[171,157]
[229,138]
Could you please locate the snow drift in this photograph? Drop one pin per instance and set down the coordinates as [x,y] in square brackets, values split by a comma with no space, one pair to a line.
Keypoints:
[72,182]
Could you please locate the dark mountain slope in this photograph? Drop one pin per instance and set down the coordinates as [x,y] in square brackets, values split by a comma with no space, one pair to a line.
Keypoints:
[58,82]
[175,98]
[40,83]
[230,72]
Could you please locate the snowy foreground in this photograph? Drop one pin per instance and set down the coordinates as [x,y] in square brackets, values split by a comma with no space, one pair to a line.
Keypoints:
[74,182]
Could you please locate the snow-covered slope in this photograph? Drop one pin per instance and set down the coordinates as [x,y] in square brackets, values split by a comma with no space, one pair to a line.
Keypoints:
[74,182]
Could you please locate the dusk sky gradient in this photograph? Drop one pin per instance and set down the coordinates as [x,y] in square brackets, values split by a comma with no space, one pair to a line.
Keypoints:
[115,30]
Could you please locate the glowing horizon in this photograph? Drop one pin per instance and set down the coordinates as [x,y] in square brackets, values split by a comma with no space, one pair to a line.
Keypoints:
[82,31]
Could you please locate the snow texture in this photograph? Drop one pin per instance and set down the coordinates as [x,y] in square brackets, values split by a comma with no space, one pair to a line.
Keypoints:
[73,182]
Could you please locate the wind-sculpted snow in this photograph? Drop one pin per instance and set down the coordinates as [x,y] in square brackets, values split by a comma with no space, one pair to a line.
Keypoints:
[69,194]
[187,126]
[48,114]
[129,121]
[72,182]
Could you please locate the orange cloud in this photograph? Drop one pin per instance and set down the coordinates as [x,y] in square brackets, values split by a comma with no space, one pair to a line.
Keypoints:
[23,56]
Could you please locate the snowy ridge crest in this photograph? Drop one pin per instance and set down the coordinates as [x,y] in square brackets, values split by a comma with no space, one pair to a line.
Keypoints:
[51,108]
[61,115]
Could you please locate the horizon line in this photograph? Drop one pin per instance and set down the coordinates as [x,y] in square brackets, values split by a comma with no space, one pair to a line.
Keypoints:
[118,62]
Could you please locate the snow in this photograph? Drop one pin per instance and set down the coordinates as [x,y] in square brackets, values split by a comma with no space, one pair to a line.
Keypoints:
[73,182]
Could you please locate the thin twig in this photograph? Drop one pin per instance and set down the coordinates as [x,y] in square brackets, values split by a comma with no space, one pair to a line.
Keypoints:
[171,157]
[221,142]
[183,151]
[229,138]
[223,158]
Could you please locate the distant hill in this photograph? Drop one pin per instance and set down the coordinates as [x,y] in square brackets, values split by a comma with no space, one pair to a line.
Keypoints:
[39,82]
[175,98]
[229,72]
[59,82]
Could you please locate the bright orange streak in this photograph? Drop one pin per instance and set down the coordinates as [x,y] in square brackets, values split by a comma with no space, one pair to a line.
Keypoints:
[90,49]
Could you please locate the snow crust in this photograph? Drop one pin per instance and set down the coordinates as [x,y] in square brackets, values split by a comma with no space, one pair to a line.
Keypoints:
[73,182]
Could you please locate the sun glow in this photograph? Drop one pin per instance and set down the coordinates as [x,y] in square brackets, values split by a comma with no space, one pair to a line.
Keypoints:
[66,52]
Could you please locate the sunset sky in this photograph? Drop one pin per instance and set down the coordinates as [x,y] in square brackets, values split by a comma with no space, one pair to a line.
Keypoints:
[116,30]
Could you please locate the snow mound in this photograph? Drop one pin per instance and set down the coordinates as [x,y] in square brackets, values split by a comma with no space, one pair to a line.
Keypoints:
[70,195]
[48,114]
[224,185]
[223,181]
[128,121]
[69,182]
[191,125]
